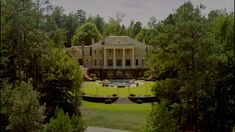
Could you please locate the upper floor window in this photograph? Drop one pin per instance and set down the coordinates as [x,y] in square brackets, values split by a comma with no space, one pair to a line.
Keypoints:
[127,51]
[109,50]
[118,51]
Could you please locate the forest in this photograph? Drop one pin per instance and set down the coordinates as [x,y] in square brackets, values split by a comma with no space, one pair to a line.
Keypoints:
[192,58]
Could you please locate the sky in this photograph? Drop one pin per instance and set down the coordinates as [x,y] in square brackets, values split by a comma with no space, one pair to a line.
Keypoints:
[137,10]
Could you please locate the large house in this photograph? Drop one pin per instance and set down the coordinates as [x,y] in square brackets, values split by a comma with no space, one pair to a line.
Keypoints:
[113,57]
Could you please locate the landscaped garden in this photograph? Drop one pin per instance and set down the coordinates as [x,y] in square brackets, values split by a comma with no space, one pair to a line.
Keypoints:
[117,116]
[93,88]
[128,116]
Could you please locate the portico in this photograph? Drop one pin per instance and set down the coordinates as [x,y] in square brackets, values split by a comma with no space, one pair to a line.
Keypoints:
[125,55]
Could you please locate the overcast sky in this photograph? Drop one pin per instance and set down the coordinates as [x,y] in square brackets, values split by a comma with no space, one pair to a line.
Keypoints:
[138,10]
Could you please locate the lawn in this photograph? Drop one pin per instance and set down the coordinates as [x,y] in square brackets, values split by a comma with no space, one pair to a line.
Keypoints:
[117,116]
[92,88]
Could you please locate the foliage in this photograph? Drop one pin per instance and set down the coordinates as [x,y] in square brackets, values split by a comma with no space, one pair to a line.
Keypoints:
[63,123]
[160,120]
[139,101]
[93,76]
[62,83]
[85,34]
[22,106]
[108,101]
[134,28]
[188,49]
[99,22]
[113,27]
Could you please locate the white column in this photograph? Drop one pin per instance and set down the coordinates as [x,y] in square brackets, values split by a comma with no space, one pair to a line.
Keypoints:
[133,58]
[114,58]
[123,58]
[105,63]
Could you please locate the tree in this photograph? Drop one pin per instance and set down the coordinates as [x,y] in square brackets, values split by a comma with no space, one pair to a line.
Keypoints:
[134,29]
[182,46]
[99,22]
[22,106]
[160,120]
[143,35]
[62,84]
[85,34]
[222,34]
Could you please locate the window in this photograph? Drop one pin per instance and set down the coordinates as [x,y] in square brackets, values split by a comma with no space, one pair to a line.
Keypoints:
[119,62]
[109,51]
[127,51]
[80,61]
[87,62]
[128,62]
[136,62]
[101,62]
[110,62]
[100,51]
[118,51]
[94,62]
[94,52]
[142,61]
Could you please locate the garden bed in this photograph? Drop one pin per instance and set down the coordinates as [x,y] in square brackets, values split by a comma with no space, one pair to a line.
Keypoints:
[100,99]
[143,99]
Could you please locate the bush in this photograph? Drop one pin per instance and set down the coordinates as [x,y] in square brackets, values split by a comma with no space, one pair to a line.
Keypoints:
[139,101]
[93,76]
[114,95]
[21,108]
[132,95]
[62,123]
[160,120]
[108,101]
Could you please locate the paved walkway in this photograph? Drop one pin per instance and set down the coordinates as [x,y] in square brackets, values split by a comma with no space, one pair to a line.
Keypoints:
[99,129]
[123,100]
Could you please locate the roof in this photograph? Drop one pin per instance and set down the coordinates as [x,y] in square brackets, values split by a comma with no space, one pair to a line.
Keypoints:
[120,40]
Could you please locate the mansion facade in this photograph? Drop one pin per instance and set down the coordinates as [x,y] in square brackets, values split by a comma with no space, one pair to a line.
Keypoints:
[113,57]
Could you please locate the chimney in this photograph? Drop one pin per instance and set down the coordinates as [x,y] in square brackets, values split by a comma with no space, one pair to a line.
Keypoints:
[92,41]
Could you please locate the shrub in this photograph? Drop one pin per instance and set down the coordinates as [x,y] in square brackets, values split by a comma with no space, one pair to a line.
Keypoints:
[93,76]
[114,95]
[108,101]
[21,107]
[139,101]
[132,95]
[160,120]
[63,123]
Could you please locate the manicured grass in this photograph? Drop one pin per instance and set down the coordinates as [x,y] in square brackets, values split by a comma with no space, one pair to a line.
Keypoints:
[117,116]
[92,88]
